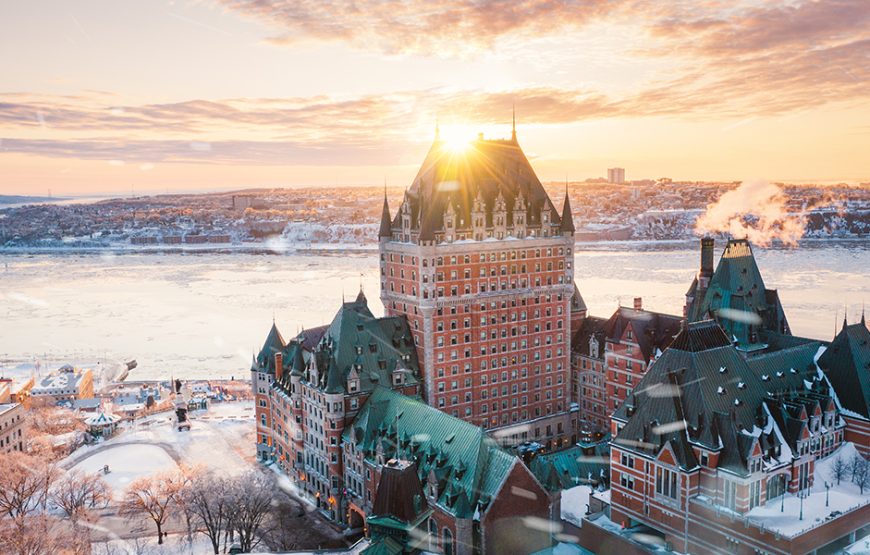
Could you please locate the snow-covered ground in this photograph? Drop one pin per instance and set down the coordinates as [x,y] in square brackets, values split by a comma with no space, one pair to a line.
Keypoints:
[127,463]
[842,498]
[220,438]
[574,503]
[860,547]
[178,545]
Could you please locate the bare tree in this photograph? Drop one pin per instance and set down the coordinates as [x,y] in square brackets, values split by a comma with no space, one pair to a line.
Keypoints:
[839,469]
[187,475]
[24,484]
[39,534]
[154,496]
[77,492]
[250,502]
[861,475]
[208,500]
[855,464]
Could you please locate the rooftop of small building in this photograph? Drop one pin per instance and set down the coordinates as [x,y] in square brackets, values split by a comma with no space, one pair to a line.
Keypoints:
[5,407]
[66,376]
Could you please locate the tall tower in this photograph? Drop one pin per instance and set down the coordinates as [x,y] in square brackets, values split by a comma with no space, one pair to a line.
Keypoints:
[479,259]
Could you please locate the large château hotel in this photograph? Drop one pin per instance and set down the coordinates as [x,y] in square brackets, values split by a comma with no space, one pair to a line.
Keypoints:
[479,260]
[404,427]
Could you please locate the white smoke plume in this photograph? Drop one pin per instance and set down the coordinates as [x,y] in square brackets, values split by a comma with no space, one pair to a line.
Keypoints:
[758,210]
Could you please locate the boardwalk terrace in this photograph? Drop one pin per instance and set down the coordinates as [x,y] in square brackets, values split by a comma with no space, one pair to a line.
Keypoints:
[480,261]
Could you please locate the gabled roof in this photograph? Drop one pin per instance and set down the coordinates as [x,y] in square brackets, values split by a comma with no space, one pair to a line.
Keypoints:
[652,330]
[846,363]
[468,466]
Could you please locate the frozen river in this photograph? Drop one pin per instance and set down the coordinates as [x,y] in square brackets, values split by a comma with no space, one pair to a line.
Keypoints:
[202,315]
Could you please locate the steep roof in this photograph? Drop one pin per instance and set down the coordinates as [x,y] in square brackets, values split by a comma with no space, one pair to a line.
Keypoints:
[386,220]
[685,394]
[652,330]
[846,363]
[265,359]
[371,347]
[577,301]
[567,224]
[467,465]
[399,494]
[487,169]
[737,297]
[590,327]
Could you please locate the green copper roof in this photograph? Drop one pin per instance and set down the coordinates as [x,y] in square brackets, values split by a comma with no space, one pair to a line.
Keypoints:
[265,360]
[467,465]
[574,466]
[737,287]
[358,345]
[846,363]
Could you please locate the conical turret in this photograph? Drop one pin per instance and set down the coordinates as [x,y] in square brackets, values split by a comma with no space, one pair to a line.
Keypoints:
[386,221]
[567,225]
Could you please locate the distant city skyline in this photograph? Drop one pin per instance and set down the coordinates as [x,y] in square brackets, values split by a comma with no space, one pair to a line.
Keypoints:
[232,94]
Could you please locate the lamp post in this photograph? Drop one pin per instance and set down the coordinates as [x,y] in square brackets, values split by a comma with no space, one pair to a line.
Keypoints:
[827,493]
[782,500]
[802,506]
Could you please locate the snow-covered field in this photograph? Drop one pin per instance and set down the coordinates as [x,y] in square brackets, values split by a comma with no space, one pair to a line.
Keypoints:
[842,498]
[126,463]
[220,438]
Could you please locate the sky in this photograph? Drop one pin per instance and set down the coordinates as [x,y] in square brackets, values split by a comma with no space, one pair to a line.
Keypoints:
[109,96]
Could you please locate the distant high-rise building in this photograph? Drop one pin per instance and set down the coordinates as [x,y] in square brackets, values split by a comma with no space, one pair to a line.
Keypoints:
[479,259]
[616,175]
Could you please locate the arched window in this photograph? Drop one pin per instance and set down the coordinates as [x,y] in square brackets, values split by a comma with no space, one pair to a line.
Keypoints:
[447,547]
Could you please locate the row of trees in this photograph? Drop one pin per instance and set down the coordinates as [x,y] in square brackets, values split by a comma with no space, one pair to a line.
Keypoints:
[46,511]
[42,508]
[855,468]
[238,509]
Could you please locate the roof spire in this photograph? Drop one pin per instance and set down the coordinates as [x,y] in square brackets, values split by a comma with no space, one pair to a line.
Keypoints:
[386,229]
[567,224]
[514,122]
[863,321]
[845,316]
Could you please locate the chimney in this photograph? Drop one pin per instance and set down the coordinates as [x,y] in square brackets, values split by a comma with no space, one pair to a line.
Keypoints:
[279,366]
[706,272]
[638,303]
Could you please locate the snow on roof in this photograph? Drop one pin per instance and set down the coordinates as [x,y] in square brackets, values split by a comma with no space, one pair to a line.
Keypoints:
[574,503]
[102,419]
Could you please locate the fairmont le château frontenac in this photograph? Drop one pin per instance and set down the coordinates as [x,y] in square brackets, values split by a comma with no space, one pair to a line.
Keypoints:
[455,423]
